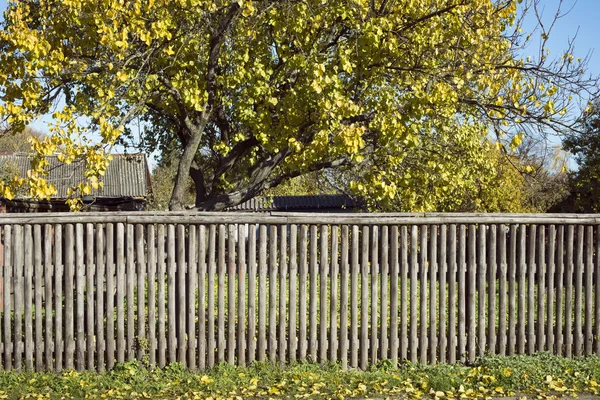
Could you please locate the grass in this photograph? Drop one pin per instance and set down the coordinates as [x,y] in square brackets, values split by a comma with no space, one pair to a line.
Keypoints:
[540,375]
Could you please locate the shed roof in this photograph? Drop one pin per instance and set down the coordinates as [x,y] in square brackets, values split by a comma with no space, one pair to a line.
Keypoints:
[127,175]
[296,203]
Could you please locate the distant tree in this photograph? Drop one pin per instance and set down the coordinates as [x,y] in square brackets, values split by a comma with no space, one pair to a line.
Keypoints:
[13,140]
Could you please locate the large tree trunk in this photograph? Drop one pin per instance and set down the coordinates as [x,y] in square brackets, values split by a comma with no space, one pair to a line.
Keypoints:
[184,167]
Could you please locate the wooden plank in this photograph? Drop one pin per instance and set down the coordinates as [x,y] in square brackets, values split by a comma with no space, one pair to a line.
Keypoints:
[312,297]
[90,289]
[364,299]
[130,285]
[212,265]
[482,291]
[303,267]
[38,274]
[18,296]
[80,289]
[28,292]
[569,293]
[171,295]
[333,309]
[541,289]
[69,291]
[502,288]
[403,270]
[512,276]
[452,267]
[151,244]
[110,296]
[48,270]
[192,283]
[221,296]
[423,270]
[578,333]
[597,295]
[101,297]
[160,288]
[180,298]
[560,277]
[241,319]
[354,344]
[345,269]
[589,294]
[292,333]
[531,291]
[492,277]
[374,346]
[471,300]
[273,292]
[120,292]
[262,293]
[462,343]
[8,289]
[414,339]
[202,349]
[231,275]
[140,259]
[521,338]
[385,275]
[282,293]
[433,266]
[443,299]
[551,290]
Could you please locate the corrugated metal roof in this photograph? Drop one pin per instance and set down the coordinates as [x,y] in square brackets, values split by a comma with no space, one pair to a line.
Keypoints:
[126,175]
[287,203]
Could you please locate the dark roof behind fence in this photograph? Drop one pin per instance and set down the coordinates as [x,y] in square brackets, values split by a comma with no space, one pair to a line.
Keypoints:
[296,203]
[127,175]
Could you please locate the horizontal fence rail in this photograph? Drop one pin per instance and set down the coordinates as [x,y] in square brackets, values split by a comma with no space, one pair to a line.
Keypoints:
[87,291]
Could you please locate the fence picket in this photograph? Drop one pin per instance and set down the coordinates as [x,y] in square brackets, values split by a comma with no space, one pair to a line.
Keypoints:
[443,300]
[131,283]
[364,299]
[471,286]
[589,312]
[433,266]
[569,293]
[69,316]
[354,300]
[578,333]
[512,276]
[231,275]
[462,334]
[452,296]
[293,337]
[241,319]
[403,293]
[110,296]
[262,294]
[49,272]
[560,276]
[273,289]
[374,346]
[531,270]
[283,265]
[28,293]
[551,290]
[192,283]
[345,268]
[303,272]
[8,289]
[502,288]
[333,327]
[160,288]
[212,265]
[38,290]
[541,292]
[202,297]
[414,340]
[152,342]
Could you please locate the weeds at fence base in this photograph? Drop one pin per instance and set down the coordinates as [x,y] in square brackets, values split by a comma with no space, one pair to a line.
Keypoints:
[540,376]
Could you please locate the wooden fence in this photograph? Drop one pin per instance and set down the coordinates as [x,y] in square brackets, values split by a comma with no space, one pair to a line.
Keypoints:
[86,291]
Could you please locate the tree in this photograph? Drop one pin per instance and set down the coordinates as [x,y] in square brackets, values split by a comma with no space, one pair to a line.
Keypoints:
[253,93]
[17,141]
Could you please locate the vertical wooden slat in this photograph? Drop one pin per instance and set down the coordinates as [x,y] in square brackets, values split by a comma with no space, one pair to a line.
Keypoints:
[241,319]
[151,243]
[569,293]
[550,295]
[364,299]
[402,269]
[283,292]
[345,269]
[211,346]
[28,291]
[131,283]
[69,316]
[231,275]
[180,298]
[385,268]
[273,292]
[89,295]
[374,294]
[140,258]
[452,296]
[512,274]
[492,277]
[18,295]
[262,293]
[578,333]
[49,271]
[303,267]
[80,288]
[482,285]
[312,298]
[354,345]
[541,288]
[433,315]
[471,300]
[521,338]
[597,295]
[192,282]
[171,295]
[100,297]
[8,289]
[293,343]
[462,343]
[560,277]
[443,301]
[589,268]
[202,349]
[414,343]
[221,296]
[38,290]
[160,288]
[120,292]
[502,289]
[531,267]
[423,270]
[333,312]
[110,296]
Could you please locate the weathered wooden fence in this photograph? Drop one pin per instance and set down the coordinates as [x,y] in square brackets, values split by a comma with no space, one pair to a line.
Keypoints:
[86,291]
